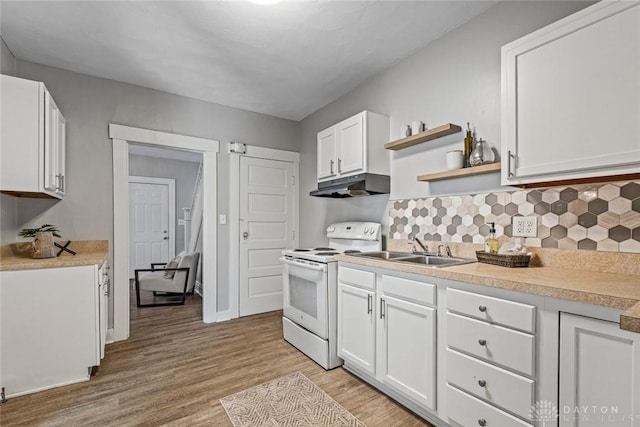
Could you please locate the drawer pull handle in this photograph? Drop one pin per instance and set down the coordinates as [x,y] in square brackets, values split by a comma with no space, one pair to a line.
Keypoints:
[482,342]
[482,422]
[482,383]
[482,308]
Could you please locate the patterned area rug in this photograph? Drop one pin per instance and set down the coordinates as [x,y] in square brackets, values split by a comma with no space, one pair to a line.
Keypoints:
[288,401]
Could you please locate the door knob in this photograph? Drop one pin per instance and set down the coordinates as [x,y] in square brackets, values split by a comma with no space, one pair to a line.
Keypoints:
[245,235]
[165,238]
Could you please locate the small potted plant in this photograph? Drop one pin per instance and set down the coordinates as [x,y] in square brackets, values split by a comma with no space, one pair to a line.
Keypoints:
[43,244]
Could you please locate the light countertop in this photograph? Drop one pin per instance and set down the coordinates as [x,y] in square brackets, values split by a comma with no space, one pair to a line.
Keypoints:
[609,289]
[88,252]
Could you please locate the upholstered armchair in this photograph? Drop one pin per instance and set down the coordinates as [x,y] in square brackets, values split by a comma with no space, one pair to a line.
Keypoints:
[176,279]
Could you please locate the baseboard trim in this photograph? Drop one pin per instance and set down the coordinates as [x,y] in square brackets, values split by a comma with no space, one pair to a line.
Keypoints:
[223,316]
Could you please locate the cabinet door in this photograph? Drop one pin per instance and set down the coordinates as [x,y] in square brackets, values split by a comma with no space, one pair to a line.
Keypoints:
[407,360]
[61,141]
[51,157]
[103,297]
[599,373]
[571,97]
[356,327]
[48,323]
[327,150]
[351,145]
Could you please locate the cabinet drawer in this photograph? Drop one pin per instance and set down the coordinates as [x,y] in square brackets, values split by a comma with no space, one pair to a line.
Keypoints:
[412,290]
[506,347]
[469,411]
[498,386]
[362,279]
[494,310]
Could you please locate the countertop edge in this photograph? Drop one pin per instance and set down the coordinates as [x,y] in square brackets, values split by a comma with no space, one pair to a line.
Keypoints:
[81,259]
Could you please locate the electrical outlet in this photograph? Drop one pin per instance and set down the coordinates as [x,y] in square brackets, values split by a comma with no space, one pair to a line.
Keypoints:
[525,226]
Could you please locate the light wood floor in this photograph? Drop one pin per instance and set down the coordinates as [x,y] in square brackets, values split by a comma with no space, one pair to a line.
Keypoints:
[174,369]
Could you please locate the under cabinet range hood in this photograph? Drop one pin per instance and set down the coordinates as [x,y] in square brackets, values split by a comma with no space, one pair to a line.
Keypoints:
[364,184]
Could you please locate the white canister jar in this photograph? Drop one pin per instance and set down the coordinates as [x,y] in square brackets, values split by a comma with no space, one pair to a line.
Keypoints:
[455,160]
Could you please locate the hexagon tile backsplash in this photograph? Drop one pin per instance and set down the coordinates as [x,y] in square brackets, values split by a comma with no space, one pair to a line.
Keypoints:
[603,217]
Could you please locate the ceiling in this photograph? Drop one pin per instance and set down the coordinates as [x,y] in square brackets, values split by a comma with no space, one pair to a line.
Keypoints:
[286,60]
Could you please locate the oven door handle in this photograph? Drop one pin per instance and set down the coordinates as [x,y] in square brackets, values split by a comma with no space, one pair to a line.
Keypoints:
[321,267]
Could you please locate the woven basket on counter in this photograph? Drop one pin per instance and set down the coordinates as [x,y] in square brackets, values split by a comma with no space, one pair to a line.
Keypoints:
[504,260]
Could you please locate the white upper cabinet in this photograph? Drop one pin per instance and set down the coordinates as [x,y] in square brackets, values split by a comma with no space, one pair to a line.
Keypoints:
[571,98]
[327,153]
[32,144]
[353,146]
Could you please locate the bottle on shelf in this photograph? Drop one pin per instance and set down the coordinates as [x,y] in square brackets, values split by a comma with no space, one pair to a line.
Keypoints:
[468,146]
[491,244]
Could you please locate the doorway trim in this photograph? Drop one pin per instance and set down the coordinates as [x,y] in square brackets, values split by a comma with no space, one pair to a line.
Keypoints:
[121,136]
[234,214]
[171,184]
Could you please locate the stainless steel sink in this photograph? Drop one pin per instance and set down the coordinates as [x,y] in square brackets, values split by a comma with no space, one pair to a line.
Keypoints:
[428,260]
[386,255]
[435,261]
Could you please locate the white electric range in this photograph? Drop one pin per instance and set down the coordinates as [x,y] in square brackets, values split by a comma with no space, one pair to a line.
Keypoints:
[310,287]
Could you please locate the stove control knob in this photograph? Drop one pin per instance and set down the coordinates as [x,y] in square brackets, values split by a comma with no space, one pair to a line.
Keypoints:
[331,229]
[366,230]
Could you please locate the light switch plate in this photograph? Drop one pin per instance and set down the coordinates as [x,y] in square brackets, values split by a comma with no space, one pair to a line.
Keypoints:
[223,219]
[525,226]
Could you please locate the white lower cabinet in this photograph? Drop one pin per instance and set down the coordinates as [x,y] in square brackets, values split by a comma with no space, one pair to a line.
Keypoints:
[51,330]
[407,350]
[599,373]
[489,359]
[387,334]
[356,327]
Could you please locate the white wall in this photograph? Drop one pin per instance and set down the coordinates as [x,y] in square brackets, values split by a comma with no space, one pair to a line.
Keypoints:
[184,174]
[89,104]
[455,79]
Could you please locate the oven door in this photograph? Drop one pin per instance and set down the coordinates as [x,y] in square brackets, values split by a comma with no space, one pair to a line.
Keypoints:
[305,294]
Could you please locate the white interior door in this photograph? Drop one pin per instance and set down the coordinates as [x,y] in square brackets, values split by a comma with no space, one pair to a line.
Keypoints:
[151,225]
[267,220]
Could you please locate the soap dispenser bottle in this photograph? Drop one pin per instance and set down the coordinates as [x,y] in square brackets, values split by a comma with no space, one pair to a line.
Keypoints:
[491,244]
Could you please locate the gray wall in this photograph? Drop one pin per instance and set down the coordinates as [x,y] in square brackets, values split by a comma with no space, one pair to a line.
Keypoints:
[8,204]
[184,174]
[89,104]
[455,79]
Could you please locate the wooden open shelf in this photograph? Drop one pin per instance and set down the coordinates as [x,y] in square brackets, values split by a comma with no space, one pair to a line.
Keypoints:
[425,136]
[457,173]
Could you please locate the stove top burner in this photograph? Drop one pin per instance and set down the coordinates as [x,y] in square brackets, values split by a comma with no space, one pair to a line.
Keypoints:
[324,249]
[327,253]
[351,251]
[301,250]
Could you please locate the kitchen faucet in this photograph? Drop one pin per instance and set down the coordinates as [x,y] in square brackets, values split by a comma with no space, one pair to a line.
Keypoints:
[447,249]
[425,251]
